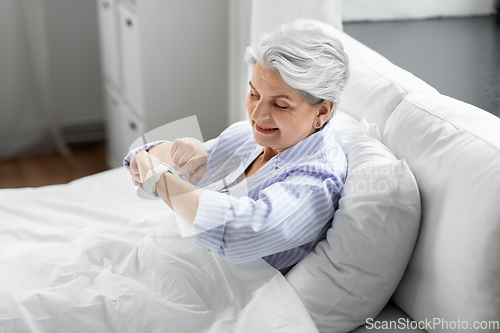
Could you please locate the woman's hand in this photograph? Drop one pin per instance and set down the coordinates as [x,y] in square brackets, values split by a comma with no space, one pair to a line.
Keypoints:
[140,165]
[179,195]
[189,155]
[186,155]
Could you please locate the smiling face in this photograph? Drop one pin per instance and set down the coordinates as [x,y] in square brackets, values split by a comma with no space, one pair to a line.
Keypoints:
[279,115]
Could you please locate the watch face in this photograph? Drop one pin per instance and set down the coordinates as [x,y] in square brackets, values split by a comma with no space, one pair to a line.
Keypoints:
[146,191]
[145,195]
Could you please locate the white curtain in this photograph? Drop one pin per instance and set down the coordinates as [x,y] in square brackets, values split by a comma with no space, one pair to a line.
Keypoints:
[250,18]
[27,122]
[239,39]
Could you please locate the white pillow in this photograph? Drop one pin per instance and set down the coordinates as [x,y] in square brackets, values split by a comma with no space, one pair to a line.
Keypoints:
[453,149]
[355,270]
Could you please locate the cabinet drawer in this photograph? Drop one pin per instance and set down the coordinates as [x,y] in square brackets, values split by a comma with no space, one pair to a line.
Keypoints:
[109,40]
[130,57]
[123,127]
[134,128]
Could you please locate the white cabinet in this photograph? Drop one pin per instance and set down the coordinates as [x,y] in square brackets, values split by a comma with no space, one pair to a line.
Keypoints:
[123,127]
[109,41]
[130,60]
[114,128]
[162,61]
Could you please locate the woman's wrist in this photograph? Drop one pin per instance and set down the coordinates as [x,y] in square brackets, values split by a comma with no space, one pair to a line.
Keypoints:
[162,190]
[181,196]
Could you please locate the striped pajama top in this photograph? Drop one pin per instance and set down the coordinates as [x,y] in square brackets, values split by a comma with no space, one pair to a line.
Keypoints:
[280,212]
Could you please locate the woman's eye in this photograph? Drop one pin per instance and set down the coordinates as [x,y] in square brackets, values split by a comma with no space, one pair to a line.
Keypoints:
[254,96]
[281,106]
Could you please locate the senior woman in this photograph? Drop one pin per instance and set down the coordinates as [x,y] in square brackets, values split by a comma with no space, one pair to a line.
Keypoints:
[292,169]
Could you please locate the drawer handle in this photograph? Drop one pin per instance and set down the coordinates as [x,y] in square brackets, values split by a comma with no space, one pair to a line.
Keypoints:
[132,125]
[129,23]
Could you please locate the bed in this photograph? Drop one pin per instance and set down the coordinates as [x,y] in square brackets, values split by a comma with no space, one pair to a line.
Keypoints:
[91,256]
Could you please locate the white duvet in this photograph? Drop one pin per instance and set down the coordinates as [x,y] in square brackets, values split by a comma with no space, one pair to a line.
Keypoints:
[91,256]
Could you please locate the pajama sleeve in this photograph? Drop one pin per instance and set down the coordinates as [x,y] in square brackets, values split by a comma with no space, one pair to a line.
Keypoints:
[286,215]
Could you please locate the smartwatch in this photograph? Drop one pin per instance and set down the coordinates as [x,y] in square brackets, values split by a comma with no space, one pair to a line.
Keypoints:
[154,175]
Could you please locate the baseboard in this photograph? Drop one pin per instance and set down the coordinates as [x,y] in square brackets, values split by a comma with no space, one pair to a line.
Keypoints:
[84,133]
[38,140]
[387,10]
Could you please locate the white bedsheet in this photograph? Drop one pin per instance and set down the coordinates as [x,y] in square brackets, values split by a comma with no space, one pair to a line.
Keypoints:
[90,256]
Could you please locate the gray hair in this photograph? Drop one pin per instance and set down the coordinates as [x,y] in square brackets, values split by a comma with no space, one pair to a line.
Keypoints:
[307,59]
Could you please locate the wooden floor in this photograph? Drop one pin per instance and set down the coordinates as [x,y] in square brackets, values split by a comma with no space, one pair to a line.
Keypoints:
[52,168]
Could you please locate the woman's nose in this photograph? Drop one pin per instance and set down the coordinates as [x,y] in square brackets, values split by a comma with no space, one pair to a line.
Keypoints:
[259,111]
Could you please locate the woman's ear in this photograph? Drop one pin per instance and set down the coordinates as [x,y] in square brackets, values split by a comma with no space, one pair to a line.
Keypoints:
[325,110]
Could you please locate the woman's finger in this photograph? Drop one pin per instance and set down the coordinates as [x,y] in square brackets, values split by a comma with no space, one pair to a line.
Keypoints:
[176,155]
[188,155]
[134,171]
[198,173]
[183,150]
[177,150]
[193,164]
[145,162]
[136,178]
[185,158]
[188,167]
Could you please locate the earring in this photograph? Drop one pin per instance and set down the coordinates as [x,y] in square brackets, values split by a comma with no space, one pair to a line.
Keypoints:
[318,125]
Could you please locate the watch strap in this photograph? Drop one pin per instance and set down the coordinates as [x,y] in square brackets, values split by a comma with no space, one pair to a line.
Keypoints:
[154,175]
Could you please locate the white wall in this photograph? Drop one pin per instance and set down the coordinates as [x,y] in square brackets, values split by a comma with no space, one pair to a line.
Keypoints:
[74,61]
[239,39]
[377,10]
[184,62]
[49,70]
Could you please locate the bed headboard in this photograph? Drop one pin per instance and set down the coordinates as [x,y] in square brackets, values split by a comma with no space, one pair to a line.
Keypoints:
[453,149]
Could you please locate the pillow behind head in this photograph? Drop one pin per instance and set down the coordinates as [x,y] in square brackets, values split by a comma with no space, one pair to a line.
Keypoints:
[353,272]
